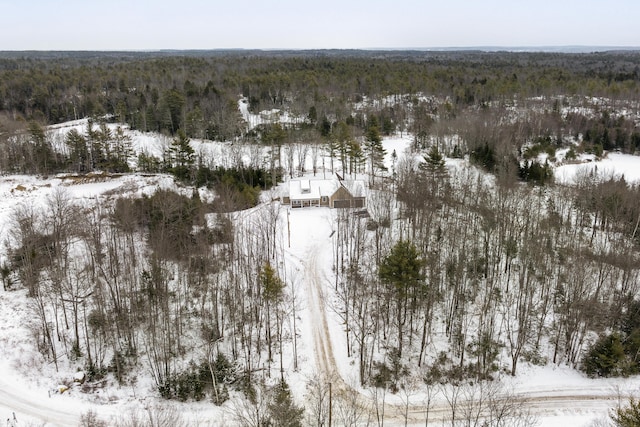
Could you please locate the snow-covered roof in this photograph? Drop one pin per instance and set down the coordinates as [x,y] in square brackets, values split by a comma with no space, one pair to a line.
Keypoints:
[311,189]
[356,188]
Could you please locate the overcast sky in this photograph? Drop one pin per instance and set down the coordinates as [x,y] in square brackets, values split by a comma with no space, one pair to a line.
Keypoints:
[323,24]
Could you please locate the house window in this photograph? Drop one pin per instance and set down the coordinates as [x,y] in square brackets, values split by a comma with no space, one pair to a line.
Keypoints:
[324,199]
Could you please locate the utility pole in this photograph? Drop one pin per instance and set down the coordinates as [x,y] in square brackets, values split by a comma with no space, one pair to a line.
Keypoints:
[330,408]
[324,171]
[289,227]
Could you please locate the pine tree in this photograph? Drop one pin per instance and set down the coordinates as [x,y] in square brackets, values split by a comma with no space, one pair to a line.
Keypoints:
[355,156]
[272,286]
[373,148]
[272,293]
[274,135]
[628,416]
[182,156]
[434,175]
[434,161]
[339,141]
[605,358]
[402,270]
[43,155]
[283,412]
[121,152]
[78,153]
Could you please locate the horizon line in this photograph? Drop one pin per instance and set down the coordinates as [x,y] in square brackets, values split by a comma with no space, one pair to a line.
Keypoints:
[484,48]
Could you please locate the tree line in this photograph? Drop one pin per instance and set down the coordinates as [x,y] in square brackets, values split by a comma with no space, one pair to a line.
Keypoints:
[499,271]
[199,93]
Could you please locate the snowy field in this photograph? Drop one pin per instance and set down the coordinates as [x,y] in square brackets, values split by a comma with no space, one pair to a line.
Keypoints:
[614,165]
[558,395]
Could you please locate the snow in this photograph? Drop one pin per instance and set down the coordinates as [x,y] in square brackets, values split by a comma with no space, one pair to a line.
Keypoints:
[307,189]
[613,165]
[274,115]
[311,238]
[397,145]
[27,384]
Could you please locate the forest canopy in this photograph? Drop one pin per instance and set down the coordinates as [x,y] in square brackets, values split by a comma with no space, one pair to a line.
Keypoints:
[452,274]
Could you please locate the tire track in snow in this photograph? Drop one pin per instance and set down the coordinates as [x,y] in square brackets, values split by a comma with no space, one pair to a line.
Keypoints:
[44,409]
[323,349]
[557,400]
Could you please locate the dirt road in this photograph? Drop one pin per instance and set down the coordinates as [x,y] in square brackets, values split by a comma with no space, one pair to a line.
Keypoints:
[536,403]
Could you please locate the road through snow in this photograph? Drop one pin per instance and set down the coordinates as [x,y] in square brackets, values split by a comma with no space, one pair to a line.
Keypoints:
[35,407]
[323,348]
[26,404]
[542,401]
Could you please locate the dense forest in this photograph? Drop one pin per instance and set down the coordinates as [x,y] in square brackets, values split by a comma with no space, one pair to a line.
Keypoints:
[452,268]
[424,93]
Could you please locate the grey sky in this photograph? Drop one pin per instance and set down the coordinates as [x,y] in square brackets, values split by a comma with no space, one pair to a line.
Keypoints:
[267,24]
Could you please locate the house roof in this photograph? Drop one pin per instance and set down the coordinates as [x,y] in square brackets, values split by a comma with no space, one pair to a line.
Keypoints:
[357,188]
[313,189]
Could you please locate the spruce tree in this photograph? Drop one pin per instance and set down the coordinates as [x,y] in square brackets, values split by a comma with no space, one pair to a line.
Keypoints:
[373,148]
[283,412]
[182,156]
[272,293]
[78,152]
[402,271]
[628,416]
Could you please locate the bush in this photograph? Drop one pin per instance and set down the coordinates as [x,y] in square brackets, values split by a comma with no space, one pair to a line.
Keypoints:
[606,358]
[90,419]
[628,416]
[535,172]
[186,385]
[571,154]
[388,375]
[485,157]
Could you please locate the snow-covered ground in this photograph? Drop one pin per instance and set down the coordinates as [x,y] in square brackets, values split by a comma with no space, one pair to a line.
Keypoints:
[614,165]
[559,396]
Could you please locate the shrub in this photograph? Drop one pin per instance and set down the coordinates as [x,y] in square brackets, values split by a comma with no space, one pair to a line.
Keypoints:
[628,416]
[485,157]
[388,375]
[606,358]
[535,172]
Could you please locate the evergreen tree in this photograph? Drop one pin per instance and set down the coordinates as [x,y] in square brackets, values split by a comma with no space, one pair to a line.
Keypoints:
[78,153]
[434,175]
[628,416]
[325,127]
[484,156]
[121,152]
[283,412]
[94,147]
[172,110]
[313,115]
[373,148]
[434,162]
[606,358]
[43,156]
[272,293]
[274,135]
[182,156]
[272,285]
[354,155]
[402,271]
[339,141]
[535,172]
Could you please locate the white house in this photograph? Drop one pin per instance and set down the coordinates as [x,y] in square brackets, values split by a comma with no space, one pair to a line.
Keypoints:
[333,193]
